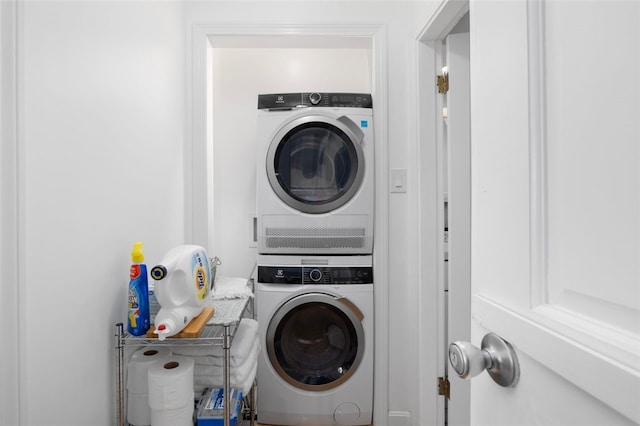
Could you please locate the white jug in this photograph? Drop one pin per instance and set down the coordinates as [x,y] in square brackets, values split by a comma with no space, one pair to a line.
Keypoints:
[182,287]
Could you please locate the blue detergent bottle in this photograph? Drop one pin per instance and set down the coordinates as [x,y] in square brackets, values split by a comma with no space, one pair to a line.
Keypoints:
[138,314]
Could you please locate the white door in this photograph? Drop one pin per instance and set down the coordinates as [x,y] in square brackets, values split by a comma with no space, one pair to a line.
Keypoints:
[555,134]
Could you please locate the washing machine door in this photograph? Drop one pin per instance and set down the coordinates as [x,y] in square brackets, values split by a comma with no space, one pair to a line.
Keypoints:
[315,163]
[315,341]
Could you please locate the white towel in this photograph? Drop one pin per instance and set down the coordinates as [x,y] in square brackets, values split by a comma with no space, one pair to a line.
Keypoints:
[218,361]
[231,288]
[246,333]
[213,374]
[245,387]
[240,377]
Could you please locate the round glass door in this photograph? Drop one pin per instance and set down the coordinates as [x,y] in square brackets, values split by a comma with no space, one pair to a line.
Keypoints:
[315,164]
[315,342]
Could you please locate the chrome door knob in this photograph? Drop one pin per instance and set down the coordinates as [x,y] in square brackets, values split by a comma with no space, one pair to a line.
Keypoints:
[467,360]
[496,356]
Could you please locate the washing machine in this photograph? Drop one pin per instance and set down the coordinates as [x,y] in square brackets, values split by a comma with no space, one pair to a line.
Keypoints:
[315,320]
[315,176]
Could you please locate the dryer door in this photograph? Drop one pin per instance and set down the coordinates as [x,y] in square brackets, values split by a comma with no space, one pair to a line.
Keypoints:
[315,341]
[315,163]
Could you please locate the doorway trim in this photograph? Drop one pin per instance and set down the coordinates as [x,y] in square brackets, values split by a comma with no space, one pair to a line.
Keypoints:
[431,219]
[12,205]
[198,200]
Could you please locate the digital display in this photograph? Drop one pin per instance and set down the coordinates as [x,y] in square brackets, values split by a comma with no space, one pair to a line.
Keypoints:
[338,275]
[354,100]
[344,98]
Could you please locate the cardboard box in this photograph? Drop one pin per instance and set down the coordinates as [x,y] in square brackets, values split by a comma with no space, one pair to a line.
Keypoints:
[210,410]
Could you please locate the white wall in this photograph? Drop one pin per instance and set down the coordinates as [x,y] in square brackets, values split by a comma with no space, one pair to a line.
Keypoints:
[101,148]
[101,138]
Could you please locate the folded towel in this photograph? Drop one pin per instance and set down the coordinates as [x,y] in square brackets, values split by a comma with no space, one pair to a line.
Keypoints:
[231,288]
[248,383]
[243,339]
[245,386]
[203,374]
[240,377]
[218,361]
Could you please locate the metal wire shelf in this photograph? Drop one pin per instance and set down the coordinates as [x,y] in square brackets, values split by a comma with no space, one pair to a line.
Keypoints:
[219,331]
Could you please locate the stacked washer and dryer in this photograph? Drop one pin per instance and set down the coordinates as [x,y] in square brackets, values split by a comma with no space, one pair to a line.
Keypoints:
[314,291]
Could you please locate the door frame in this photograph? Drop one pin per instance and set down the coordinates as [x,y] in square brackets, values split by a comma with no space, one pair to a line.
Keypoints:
[198,151]
[431,219]
[12,205]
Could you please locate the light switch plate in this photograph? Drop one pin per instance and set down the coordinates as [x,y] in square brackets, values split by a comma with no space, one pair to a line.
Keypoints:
[398,180]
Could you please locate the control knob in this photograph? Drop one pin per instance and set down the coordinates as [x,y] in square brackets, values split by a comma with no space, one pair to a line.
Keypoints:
[315,275]
[315,98]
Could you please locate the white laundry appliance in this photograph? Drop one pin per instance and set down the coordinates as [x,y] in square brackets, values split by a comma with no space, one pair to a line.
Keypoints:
[316,324]
[315,175]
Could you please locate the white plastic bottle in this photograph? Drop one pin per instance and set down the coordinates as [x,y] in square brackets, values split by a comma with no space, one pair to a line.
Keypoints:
[154,306]
[181,287]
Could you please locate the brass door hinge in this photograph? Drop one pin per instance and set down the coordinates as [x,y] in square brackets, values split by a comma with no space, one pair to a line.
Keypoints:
[444,387]
[443,83]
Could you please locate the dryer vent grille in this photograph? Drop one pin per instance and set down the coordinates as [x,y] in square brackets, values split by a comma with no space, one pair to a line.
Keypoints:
[315,238]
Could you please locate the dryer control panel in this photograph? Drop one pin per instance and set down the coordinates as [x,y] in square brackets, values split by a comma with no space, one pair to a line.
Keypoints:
[315,274]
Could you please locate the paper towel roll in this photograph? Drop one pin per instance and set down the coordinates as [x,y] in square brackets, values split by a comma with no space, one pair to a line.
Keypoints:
[139,365]
[182,416]
[170,382]
[138,411]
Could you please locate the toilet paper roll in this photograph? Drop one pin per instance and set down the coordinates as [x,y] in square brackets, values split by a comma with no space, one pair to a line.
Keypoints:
[139,365]
[170,382]
[181,416]
[138,411]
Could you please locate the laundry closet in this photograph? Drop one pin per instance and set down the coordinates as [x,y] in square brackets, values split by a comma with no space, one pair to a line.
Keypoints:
[311,322]
[242,68]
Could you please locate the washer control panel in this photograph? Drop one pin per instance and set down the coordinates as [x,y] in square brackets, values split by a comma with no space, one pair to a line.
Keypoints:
[321,274]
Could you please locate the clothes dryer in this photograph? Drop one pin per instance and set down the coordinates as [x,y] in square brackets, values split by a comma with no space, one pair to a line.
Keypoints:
[316,324]
[315,176]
